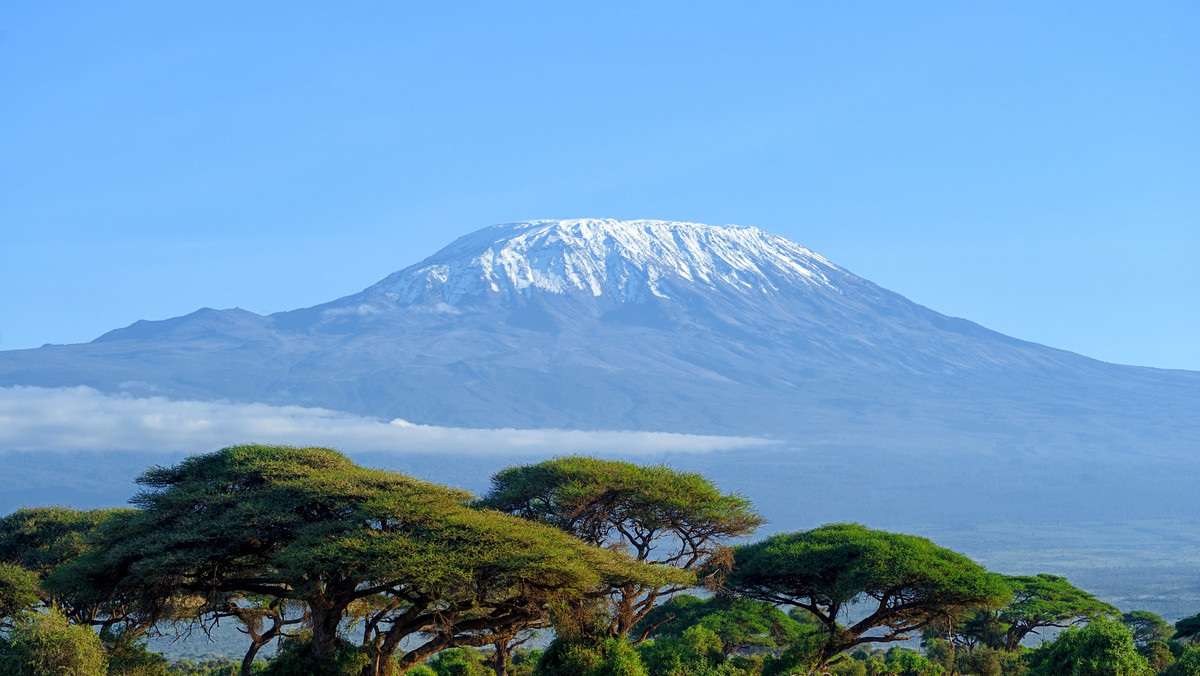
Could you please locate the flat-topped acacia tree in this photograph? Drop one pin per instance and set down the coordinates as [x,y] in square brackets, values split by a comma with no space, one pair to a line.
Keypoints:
[1040,601]
[309,525]
[905,582]
[657,514]
[35,541]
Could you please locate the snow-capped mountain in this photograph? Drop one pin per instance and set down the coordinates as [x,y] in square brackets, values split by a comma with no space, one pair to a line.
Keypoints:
[618,260]
[876,409]
[651,325]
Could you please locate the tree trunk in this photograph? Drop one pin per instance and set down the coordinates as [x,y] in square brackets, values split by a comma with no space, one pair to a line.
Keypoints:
[500,657]
[325,617]
[248,660]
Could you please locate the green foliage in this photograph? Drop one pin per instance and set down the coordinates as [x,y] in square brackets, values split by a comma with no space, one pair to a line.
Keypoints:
[739,623]
[1103,648]
[39,539]
[587,656]
[128,656]
[18,593]
[45,643]
[847,667]
[309,525]
[1188,663]
[797,658]
[679,520]
[421,670]
[524,662]
[1158,654]
[983,628]
[212,667]
[296,659]
[459,662]
[909,581]
[594,498]
[1188,628]
[697,651]
[908,662]
[1146,626]
[987,661]
[1047,601]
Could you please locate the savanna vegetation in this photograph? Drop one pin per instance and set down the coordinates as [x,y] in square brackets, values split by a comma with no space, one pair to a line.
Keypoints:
[570,567]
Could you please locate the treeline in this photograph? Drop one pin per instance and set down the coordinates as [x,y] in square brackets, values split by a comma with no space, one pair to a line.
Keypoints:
[365,572]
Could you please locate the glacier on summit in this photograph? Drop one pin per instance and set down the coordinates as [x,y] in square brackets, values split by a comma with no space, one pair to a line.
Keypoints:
[858,403]
[623,260]
[601,324]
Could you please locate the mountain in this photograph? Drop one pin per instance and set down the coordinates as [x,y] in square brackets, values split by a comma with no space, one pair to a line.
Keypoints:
[647,325]
[877,409]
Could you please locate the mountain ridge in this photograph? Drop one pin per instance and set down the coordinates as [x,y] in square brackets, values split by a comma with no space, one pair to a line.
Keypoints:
[642,325]
[878,409]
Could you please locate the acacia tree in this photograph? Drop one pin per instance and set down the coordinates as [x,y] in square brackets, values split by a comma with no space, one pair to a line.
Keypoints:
[657,514]
[1040,601]
[1146,627]
[308,525]
[39,540]
[1188,628]
[19,594]
[908,582]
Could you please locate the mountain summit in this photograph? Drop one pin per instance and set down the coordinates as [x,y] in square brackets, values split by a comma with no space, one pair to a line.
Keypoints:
[646,325]
[873,408]
[619,260]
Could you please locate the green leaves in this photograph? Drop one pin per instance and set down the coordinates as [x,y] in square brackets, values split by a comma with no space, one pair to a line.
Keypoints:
[837,563]
[607,501]
[677,520]
[45,643]
[308,524]
[1047,601]
[909,581]
[1103,648]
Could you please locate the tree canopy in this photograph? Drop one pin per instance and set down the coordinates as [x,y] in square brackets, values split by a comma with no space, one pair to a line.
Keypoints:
[1040,601]
[1188,628]
[307,524]
[1103,648]
[908,581]
[39,540]
[1146,626]
[737,623]
[655,513]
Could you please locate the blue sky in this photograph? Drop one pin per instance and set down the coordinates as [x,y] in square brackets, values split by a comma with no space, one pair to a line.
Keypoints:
[1034,167]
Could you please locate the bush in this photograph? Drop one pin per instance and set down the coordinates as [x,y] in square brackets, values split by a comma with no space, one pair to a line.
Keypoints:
[459,662]
[583,656]
[1103,648]
[1188,663]
[908,662]
[47,644]
[294,660]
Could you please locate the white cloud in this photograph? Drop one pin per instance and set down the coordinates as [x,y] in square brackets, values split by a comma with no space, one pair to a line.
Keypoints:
[84,419]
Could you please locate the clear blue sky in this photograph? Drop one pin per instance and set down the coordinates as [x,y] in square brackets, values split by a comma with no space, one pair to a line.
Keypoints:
[1032,166]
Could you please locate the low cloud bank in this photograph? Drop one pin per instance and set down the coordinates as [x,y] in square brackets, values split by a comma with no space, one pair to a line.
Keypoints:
[85,419]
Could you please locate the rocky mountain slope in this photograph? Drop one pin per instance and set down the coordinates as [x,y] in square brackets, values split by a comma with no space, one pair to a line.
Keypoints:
[650,325]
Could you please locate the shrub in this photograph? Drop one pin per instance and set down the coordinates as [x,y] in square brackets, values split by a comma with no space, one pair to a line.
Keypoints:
[583,656]
[47,644]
